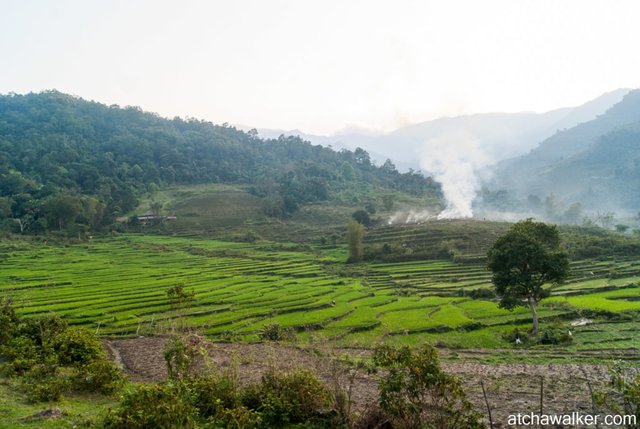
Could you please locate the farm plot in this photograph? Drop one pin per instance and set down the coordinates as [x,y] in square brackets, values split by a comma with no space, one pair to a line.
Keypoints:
[118,286]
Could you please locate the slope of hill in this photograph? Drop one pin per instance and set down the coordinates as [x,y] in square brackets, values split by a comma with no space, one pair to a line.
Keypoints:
[594,162]
[67,162]
[607,174]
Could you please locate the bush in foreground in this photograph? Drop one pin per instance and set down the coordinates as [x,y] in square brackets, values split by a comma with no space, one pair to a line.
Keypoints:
[623,394]
[76,346]
[50,358]
[99,375]
[213,394]
[417,393]
[45,382]
[284,399]
[153,406]
[215,401]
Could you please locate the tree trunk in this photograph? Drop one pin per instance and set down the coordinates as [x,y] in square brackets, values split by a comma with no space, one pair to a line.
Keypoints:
[534,315]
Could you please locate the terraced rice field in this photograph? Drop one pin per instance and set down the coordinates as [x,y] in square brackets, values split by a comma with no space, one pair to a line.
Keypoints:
[118,285]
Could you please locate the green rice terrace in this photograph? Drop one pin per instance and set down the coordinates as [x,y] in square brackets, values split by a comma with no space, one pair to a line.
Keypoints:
[117,285]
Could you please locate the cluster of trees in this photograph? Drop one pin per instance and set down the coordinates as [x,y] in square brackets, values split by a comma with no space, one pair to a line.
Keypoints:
[69,211]
[49,358]
[52,144]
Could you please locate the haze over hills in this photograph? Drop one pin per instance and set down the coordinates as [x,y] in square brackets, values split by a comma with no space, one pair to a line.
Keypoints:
[595,163]
[109,156]
[504,135]
[458,151]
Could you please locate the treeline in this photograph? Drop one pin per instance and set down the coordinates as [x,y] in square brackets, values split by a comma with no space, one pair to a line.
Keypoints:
[70,163]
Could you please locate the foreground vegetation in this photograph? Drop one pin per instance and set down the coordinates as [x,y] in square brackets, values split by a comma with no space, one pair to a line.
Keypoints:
[42,358]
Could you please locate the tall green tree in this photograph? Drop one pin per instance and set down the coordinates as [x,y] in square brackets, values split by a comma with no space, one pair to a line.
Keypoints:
[61,209]
[355,234]
[525,259]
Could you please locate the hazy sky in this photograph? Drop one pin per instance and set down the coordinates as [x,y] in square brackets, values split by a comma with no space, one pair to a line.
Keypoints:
[322,65]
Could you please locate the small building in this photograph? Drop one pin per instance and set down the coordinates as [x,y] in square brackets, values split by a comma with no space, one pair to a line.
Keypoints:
[149,216]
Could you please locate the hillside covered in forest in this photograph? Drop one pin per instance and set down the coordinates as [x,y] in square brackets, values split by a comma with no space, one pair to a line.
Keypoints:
[70,163]
[594,163]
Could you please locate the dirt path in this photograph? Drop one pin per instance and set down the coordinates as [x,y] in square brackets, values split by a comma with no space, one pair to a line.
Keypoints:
[511,388]
[114,352]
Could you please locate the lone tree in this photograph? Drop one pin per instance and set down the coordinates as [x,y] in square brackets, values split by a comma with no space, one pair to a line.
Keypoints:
[362,217]
[180,298]
[355,233]
[523,260]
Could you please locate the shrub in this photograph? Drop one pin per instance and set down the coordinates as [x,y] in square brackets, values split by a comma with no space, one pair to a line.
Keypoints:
[275,332]
[374,417]
[623,395]
[179,297]
[21,353]
[250,237]
[417,393]
[482,293]
[77,346]
[556,336]
[229,336]
[235,418]
[288,398]
[42,330]
[362,217]
[180,354]
[8,320]
[44,383]
[511,336]
[153,406]
[214,394]
[99,375]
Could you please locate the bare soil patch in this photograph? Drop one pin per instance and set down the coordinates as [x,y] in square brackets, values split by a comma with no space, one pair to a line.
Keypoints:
[511,388]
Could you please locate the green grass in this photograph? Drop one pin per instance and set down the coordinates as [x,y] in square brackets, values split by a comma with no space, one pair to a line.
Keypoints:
[77,410]
[118,285]
[622,300]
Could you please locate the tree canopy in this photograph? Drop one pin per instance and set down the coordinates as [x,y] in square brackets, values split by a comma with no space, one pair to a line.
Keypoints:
[527,257]
[52,144]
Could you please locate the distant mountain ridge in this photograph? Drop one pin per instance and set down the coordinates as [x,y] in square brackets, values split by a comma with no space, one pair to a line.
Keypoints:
[596,163]
[504,135]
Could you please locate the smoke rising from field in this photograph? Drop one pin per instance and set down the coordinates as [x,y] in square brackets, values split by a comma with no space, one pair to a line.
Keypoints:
[411,216]
[457,160]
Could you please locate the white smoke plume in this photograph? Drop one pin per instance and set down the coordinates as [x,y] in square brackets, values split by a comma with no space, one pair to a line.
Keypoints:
[456,160]
[411,216]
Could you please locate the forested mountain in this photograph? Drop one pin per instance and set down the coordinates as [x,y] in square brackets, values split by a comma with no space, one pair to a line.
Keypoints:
[65,161]
[596,163]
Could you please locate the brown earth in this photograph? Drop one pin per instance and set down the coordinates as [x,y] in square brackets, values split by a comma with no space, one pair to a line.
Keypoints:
[510,388]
